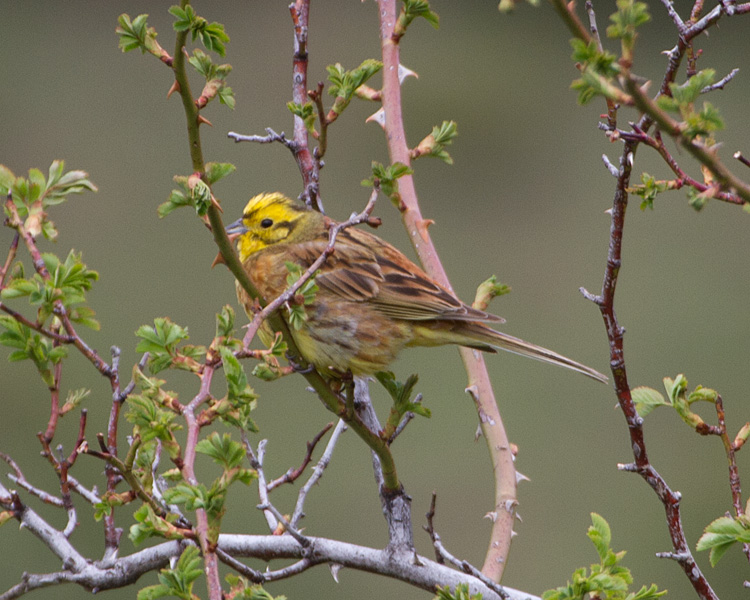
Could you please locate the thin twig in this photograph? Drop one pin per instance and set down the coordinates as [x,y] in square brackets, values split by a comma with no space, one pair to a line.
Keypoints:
[271,136]
[292,474]
[444,556]
[256,461]
[317,473]
[719,85]
[295,533]
[240,567]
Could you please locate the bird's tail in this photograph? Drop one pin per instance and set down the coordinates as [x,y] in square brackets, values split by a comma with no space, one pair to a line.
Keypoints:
[487,336]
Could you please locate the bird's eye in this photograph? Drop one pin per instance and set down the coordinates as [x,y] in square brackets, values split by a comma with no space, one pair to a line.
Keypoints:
[266,223]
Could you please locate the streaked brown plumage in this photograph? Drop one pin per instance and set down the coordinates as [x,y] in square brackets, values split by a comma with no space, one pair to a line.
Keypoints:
[372,300]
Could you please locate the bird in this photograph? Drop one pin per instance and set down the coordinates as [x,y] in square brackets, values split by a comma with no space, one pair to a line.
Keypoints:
[371,300]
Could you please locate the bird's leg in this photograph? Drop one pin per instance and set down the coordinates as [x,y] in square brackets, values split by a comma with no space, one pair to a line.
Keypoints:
[297,367]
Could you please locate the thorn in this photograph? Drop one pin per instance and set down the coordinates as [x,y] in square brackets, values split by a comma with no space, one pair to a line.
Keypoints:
[202,119]
[478,433]
[608,212]
[614,171]
[510,505]
[422,227]
[377,117]
[521,477]
[519,518]
[492,516]
[335,568]
[219,260]
[473,391]
[513,534]
[404,72]
[175,88]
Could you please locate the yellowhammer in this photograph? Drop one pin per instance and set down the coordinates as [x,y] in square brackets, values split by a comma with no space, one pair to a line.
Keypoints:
[371,301]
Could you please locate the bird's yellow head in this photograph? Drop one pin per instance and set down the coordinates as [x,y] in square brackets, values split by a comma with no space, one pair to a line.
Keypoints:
[272,219]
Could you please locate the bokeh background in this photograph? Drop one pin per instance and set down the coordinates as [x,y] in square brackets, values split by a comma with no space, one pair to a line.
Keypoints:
[525,200]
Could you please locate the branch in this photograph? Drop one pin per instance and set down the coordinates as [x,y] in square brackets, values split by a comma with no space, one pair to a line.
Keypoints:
[292,474]
[316,474]
[422,573]
[444,556]
[478,379]
[605,302]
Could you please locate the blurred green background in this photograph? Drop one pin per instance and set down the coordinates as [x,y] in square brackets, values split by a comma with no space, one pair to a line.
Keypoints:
[525,200]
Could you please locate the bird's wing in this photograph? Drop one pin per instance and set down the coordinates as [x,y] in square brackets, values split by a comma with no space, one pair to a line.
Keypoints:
[364,268]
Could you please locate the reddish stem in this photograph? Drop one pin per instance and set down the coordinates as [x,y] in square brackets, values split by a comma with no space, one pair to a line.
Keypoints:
[300,11]
[478,379]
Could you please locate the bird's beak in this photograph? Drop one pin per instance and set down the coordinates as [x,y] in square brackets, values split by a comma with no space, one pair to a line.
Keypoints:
[236,229]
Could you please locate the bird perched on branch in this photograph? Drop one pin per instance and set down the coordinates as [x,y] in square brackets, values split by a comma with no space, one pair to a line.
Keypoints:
[371,300]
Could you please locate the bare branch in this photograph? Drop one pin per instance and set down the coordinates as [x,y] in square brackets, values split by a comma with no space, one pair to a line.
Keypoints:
[317,473]
[292,474]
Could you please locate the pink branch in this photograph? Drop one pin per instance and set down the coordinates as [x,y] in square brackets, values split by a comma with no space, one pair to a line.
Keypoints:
[479,384]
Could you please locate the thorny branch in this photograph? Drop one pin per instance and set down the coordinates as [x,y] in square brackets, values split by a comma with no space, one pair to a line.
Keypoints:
[479,385]
[444,556]
[734,190]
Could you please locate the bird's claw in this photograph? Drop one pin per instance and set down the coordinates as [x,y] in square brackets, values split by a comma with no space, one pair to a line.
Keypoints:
[297,367]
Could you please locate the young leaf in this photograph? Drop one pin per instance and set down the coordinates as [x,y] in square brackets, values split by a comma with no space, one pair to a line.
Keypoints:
[387,176]
[647,399]
[721,534]
[223,450]
[216,171]
[412,9]
[177,582]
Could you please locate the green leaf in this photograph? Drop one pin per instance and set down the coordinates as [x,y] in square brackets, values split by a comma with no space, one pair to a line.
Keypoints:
[177,582]
[225,322]
[242,589]
[721,534]
[7,179]
[177,199]
[216,171]
[161,342]
[18,288]
[629,16]
[344,83]
[183,17]
[412,9]
[600,534]
[387,176]
[74,399]
[601,62]
[241,398]
[649,189]
[688,92]
[136,34]
[148,524]
[647,399]
[212,35]
[705,122]
[604,580]
[152,422]
[306,112]
[305,295]
[223,450]
[435,143]
[701,394]
[461,592]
